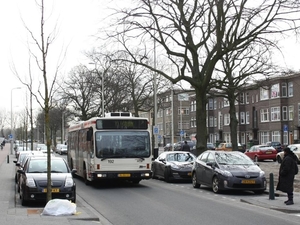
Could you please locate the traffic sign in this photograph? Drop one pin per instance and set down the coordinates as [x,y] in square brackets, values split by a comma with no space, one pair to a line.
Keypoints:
[155,130]
[285,128]
[181,133]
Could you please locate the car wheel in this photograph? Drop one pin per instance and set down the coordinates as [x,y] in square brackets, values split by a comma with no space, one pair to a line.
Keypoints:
[194,181]
[279,160]
[255,159]
[215,185]
[167,174]
[23,201]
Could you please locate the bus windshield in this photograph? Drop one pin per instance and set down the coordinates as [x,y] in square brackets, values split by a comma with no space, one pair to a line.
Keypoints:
[122,144]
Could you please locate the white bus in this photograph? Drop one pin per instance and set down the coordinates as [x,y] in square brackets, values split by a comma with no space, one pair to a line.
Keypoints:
[115,147]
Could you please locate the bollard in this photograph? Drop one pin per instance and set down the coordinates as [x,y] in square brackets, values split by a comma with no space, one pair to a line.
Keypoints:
[7,158]
[271,187]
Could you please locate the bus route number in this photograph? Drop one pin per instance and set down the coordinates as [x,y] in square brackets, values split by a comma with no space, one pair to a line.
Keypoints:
[110,161]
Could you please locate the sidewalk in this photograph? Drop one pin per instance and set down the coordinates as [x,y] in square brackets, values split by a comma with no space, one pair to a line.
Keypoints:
[12,214]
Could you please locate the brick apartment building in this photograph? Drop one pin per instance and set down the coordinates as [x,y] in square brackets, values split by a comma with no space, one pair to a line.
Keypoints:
[270,113]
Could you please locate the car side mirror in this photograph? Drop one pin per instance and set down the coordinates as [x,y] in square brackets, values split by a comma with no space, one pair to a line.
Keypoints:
[211,164]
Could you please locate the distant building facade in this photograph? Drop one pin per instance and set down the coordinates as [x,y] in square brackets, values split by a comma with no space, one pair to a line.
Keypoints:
[269,113]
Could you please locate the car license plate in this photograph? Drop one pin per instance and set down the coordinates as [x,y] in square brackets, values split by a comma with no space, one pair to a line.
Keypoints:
[248,181]
[124,175]
[268,152]
[55,190]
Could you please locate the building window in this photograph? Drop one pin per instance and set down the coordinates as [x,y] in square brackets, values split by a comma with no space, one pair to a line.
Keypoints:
[252,97]
[256,98]
[264,137]
[193,122]
[210,104]
[284,89]
[185,125]
[264,115]
[291,91]
[242,119]
[221,121]
[226,119]
[284,113]
[264,94]
[242,98]
[215,122]
[247,118]
[193,106]
[215,104]
[275,91]
[183,111]
[226,102]
[291,112]
[168,111]
[275,113]
[160,113]
[211,121]
[247,98]
[276,136]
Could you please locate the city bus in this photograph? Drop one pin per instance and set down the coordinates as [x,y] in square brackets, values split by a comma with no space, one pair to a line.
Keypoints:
[114,147]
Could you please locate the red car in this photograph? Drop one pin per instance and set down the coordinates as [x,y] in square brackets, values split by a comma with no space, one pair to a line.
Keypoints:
[261,152]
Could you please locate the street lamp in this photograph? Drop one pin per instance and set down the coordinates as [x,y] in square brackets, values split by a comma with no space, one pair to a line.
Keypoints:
[11,120]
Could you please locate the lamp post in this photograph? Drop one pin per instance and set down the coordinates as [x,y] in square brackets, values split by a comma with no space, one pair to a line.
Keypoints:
[11,120]
[102,92]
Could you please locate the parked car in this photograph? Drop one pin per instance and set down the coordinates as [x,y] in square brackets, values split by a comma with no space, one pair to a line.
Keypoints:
[21,161]
[168,147]
[275,144]
[178,145]
[20,149]
[40,147]
[227,170]
[261,152]
[210,146]
[61,149]
[33,180]
[173,165]
[295,148]
[228,147]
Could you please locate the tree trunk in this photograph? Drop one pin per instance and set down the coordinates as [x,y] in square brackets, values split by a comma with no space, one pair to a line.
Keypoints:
[201,121]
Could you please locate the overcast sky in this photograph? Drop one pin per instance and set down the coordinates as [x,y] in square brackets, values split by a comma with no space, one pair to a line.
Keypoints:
[78,21]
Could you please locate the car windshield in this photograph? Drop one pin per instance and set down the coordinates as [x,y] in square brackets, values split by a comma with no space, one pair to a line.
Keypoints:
[180,157]
[40,166]
[230,158]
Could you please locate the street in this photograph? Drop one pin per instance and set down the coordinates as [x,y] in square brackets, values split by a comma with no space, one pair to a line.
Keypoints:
[157,202]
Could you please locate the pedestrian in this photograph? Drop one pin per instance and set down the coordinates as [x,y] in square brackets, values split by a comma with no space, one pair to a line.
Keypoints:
[185,147]
[287,171]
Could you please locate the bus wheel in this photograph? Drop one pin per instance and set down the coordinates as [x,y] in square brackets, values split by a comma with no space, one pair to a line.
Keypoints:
[86,181]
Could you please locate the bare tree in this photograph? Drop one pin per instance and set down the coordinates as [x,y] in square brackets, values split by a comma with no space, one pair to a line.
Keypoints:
[237,70]
[195,35]
[79,90]
[42,41]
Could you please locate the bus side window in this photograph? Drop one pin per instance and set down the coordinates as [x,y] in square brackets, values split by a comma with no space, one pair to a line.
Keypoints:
[89,134]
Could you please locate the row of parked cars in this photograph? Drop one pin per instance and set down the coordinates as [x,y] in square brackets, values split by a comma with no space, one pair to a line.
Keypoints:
[220,170]
[31,176]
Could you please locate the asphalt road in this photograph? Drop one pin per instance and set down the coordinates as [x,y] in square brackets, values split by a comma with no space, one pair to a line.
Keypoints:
[158,202]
